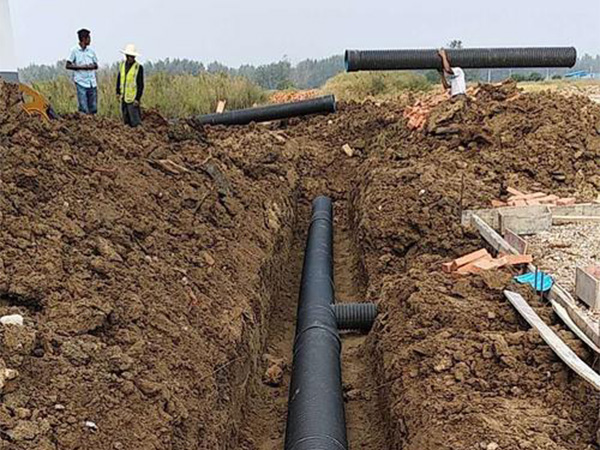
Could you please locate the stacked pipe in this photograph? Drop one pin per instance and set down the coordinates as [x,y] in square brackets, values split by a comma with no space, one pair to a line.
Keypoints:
[316,417]
[473,58]
[321,105]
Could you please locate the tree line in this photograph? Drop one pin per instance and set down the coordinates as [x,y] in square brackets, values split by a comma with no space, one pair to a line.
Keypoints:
[307,74]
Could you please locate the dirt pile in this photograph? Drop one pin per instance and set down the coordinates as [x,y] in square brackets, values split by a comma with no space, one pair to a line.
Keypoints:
[137,261]
[457,367]
[146,264]
[294,96]
[469,154]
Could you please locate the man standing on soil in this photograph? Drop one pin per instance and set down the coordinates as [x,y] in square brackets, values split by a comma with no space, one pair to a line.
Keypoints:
[130,86]
[453,78]
[84,63]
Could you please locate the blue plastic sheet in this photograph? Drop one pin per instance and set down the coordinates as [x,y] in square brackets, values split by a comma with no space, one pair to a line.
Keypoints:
[543,283]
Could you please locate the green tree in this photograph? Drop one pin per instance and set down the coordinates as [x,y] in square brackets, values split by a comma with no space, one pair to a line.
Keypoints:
[455,44]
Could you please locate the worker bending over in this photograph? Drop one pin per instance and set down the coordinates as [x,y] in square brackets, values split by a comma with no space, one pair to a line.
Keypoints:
[84,63]
[130,86]
[453,78]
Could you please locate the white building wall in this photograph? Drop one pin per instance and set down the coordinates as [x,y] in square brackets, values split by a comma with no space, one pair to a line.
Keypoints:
[8,57]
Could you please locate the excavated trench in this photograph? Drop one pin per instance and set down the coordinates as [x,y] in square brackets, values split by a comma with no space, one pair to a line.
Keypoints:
[163,269]
[265,412]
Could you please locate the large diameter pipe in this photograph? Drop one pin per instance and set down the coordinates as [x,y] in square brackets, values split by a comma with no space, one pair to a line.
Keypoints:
[321,105]
[472,58]
[316,418]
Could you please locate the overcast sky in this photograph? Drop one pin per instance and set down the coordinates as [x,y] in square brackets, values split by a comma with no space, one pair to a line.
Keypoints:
[258,31]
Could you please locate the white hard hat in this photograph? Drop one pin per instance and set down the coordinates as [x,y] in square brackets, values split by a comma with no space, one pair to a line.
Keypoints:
[130,50]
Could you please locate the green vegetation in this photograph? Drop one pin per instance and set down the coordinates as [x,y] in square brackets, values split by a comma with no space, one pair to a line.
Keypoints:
[172,95]
[307,74]
[364,85]
[533,76]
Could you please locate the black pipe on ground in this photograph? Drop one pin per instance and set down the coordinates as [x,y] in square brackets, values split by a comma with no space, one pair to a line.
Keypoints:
[355,316]
[316,418]
[321,105]
[471,58]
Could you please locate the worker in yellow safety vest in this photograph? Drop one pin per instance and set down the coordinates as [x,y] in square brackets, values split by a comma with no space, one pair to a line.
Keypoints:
[130,86]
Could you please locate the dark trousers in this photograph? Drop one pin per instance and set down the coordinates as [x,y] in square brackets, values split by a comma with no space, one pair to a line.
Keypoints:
[132,114]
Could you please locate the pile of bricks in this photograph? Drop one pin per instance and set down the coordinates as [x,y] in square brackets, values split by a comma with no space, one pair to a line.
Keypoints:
[519,198]
[418,113]
[481,260]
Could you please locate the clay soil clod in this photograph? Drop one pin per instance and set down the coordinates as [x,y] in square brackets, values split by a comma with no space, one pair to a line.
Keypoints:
[157,274]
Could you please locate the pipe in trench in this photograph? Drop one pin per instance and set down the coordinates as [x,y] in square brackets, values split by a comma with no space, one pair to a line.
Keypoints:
[321,105]
[316,417]
[355,316]
[472,58]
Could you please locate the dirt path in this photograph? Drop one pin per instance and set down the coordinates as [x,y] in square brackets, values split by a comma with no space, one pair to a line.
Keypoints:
[363,418]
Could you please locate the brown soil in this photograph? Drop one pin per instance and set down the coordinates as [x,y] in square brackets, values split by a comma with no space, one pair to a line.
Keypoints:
[158,269]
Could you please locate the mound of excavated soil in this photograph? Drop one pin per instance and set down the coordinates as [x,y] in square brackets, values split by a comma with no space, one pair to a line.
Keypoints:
[146,264]
[139,264]
[458,369]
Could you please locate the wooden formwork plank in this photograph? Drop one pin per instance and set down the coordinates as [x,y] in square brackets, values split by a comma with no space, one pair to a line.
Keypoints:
[590,327]
[516,241]
[529,220]
[557,294]
[561,349]
[587,288]
[564,316]
[575,219]
[492,237]
[491,215]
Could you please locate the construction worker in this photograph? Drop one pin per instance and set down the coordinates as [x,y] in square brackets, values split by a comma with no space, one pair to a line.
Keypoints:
[84,64]
[453,78]
[130,86]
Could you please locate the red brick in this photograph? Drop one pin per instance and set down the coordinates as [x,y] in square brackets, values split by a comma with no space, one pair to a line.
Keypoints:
[548,199]
[514,260]
[566,201]
[528,196]
[470,258]
[447,267]
[513,191]
[468,269]
[593,271]
[489,264]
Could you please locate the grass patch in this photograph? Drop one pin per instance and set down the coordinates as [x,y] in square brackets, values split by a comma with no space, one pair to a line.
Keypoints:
[375,85]
[562,85]
[172,95]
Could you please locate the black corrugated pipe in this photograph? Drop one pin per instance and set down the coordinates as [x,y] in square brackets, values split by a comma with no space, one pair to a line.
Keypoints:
[471,58]
[355,316]
[316,419]
[321,105]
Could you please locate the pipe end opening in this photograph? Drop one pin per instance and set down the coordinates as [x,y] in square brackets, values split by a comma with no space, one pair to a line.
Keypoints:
[347,60]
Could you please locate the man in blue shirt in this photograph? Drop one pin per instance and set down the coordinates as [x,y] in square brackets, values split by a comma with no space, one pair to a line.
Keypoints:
[84,63]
